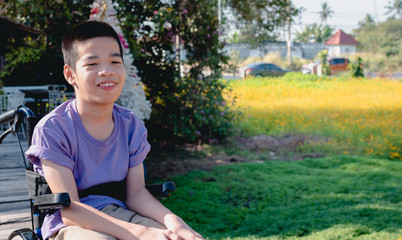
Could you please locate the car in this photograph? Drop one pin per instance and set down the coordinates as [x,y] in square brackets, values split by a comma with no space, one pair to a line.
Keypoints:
[261,69]
[336,65]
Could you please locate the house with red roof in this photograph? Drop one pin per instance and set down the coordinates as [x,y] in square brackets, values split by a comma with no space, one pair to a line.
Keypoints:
[340,44]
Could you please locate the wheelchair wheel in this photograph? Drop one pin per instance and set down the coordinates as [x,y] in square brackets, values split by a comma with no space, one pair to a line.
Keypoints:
[23,234]
[18,237]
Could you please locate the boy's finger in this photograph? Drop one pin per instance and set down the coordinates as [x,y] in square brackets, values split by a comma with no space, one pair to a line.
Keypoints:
[172,236]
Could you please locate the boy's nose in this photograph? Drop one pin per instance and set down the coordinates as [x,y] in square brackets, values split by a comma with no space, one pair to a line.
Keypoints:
[105,72]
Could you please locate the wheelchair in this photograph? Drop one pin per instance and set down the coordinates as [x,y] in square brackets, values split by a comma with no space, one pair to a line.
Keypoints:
[42,200]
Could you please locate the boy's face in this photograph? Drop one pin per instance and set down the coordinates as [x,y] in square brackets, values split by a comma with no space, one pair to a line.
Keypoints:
[99,73]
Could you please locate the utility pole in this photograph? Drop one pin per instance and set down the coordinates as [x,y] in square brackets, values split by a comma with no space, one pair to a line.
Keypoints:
[288,41]
[219,12]
[375,9]
[178,57]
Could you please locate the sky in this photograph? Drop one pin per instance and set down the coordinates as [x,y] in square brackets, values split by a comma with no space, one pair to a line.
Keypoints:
[346,13]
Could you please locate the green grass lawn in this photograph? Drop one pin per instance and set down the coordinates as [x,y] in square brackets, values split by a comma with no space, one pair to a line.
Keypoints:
[328,198]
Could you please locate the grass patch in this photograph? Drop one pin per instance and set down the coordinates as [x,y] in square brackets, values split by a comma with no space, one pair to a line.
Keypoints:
[328,198]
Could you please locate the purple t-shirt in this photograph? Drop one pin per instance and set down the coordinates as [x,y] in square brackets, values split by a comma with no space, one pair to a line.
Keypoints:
[61,137]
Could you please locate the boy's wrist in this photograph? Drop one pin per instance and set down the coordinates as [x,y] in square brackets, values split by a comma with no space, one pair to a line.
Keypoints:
[173,222]
[135,230]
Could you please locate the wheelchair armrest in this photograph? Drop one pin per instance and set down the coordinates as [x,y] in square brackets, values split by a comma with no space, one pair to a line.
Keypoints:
[161,190]
[52,201]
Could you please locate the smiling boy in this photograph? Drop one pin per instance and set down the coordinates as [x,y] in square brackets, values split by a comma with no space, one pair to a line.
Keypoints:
[91,141]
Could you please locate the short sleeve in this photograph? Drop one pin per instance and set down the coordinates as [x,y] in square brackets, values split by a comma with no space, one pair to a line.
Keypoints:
[50,143]
[139,146]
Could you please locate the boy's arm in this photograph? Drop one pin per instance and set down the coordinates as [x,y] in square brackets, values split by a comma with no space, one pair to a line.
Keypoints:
[61,179]
[142,202]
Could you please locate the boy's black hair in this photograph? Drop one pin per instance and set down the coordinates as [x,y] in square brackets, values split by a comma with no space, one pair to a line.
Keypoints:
[82,32]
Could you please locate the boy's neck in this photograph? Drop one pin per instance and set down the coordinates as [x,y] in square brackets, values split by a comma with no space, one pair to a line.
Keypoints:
[95,112]
[97,119]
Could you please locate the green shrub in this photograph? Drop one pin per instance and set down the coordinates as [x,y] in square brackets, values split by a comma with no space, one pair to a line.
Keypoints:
[17,55]
[204,114]
[325,65]
[355,68]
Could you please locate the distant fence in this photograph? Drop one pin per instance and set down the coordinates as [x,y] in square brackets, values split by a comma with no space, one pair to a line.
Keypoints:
[41,99]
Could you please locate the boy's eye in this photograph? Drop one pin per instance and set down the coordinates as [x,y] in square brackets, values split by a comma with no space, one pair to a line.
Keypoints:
[91,64]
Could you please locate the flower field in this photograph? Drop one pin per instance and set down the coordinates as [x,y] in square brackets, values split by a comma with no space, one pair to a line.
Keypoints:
[339,115]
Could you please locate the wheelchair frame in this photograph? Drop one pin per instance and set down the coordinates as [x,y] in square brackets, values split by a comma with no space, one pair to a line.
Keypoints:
[42,200]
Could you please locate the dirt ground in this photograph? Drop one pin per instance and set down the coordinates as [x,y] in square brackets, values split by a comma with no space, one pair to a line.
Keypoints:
[197,157]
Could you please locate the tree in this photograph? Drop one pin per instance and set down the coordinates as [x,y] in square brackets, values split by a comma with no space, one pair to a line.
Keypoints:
[368,21]
[391,33]
[259,20]
[314,33]
[252,35]
[321,33]
[381,38]
[394,9]
[317,32]
[325,12]
[367,35]
[304,35]
[52,18]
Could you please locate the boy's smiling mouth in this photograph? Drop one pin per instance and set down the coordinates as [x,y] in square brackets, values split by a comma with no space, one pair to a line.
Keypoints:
[107,84]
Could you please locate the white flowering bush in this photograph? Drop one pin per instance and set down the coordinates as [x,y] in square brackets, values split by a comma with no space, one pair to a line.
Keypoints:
[133,94]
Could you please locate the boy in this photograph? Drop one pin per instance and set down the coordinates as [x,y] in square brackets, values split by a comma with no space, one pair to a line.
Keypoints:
[90,141]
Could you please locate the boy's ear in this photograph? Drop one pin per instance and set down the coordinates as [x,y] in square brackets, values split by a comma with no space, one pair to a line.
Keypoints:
[69,74]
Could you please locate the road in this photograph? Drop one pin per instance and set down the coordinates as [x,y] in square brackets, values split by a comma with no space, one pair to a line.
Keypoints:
[14,204]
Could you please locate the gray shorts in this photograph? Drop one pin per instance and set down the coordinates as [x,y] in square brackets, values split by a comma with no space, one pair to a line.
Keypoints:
[78,233]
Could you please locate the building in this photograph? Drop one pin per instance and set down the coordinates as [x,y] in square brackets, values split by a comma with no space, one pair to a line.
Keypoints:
[301,50]
[340,44]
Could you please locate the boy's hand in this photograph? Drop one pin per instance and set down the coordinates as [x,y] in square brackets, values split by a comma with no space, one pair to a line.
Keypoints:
[158,234]
[178,226]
